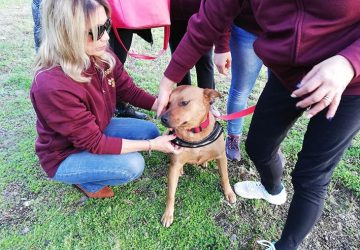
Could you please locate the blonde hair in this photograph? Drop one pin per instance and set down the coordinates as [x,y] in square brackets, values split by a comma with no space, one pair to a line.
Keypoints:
[64,35]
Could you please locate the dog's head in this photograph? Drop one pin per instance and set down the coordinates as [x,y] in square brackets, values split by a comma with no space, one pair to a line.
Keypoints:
[188,106]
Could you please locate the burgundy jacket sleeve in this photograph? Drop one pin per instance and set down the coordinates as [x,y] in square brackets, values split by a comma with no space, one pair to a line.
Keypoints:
[65,114]
[222,44]
[126,89]
[204,29]
[352,53]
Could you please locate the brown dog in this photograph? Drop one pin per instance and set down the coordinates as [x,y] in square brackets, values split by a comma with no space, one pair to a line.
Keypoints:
[188,113]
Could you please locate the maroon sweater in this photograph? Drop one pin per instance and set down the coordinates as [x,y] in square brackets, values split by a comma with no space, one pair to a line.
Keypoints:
[295,36]
[72,116]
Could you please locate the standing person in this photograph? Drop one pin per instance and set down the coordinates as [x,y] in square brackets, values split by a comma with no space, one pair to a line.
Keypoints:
[245,68]
[204,66]
[313,53]
[180,13]
[77,83]
[124,109]
[35,9]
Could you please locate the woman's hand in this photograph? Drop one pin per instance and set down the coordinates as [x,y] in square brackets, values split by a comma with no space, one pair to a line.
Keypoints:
[166,86]
[325,84]
[223,62]
[155,105]
[163,143]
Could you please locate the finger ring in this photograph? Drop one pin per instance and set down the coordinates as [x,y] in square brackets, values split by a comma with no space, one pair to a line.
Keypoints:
[327,100]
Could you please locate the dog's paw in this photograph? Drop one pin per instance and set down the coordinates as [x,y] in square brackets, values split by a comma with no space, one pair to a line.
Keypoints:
[181,171]
[230,196]
[167,219]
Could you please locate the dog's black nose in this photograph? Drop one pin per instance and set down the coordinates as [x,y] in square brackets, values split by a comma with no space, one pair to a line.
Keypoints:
[165,120]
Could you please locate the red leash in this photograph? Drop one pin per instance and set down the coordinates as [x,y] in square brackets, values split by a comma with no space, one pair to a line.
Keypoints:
[237,115]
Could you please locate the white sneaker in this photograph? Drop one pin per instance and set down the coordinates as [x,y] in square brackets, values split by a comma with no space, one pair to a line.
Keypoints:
[255,190]
[266,243]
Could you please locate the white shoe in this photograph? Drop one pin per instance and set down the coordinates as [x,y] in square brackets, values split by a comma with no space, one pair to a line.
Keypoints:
[266,243]
[255,190]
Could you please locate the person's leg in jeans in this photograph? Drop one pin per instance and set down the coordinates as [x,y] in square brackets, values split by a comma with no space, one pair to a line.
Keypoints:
[245,69]
[93,171]
[35,8]
[324,144]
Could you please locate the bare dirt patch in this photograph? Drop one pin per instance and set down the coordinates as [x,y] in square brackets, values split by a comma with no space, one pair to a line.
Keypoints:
[18,205]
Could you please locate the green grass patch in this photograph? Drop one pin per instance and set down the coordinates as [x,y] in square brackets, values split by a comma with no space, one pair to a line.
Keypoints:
[124,222]
[37,213]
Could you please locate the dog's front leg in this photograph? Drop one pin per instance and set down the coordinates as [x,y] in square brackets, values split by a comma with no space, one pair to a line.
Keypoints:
[173,178]
[223,170]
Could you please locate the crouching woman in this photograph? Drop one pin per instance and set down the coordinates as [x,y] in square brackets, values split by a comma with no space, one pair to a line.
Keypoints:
[77,83]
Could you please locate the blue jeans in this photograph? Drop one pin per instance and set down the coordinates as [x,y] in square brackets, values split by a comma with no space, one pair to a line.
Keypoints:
[35,8]
[95,171]
[245,69]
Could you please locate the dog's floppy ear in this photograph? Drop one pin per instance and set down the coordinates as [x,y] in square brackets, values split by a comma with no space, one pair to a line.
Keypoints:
[210,95]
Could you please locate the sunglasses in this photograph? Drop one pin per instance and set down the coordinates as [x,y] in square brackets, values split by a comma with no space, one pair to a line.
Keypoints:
[101,29]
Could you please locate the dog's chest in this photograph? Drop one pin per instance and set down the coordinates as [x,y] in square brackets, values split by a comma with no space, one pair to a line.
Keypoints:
[200,155]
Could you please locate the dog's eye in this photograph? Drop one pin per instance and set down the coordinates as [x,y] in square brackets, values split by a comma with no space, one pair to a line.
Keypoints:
[184,103]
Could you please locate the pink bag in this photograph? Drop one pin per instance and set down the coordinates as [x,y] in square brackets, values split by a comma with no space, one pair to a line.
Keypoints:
[141,14]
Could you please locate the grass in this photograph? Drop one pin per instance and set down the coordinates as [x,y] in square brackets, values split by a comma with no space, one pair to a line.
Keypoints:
[124,222]
[37,213]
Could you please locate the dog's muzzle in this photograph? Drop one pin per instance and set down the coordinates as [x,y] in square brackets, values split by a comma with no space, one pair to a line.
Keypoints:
[165,120]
